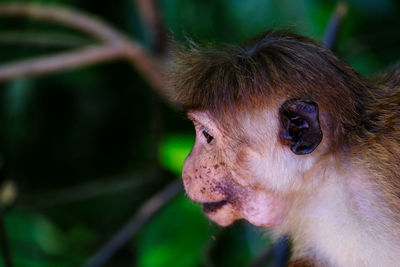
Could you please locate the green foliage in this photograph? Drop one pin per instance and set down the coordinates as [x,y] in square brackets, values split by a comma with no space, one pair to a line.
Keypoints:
[239,245]
[35,240]
[176,237]
[35,237]
[174,150]
[35,232]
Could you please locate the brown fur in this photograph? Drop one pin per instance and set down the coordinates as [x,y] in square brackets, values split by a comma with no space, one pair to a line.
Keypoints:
[273,66]
[361,117]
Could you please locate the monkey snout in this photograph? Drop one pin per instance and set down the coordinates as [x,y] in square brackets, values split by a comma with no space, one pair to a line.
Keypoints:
[201,193]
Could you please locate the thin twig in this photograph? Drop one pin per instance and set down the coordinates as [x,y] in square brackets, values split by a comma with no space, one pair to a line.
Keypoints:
[151,16]
[145,212]
[52,40]
[62,61]
[85,191]
[334,25]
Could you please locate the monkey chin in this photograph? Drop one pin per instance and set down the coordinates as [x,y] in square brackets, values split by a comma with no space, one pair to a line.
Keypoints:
[224,213]
[263,209]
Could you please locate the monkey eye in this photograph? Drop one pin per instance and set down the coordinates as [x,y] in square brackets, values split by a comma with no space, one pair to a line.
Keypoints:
[208,137]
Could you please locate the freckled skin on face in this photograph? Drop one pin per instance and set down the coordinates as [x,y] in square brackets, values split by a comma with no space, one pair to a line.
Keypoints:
[210,178]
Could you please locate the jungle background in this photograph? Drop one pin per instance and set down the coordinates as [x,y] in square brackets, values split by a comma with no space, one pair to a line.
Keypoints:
[90,149]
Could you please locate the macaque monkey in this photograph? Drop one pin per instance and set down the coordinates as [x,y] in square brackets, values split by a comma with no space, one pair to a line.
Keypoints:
[291,138]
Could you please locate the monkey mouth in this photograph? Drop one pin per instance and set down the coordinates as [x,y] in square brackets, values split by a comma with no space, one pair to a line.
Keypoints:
[209,207]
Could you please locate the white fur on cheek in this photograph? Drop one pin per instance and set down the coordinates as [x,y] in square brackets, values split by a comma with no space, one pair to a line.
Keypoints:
[262,209]
[271,164]
[277,168]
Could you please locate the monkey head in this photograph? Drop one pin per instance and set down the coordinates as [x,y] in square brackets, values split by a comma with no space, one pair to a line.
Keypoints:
[247,171]
[265,113]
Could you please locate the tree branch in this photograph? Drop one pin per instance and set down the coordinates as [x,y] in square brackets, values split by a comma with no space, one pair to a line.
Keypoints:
[85,191]
[62,61]
[145,212]
[64,16]
[52,40]
[117,46]
[149,12]
[334,25]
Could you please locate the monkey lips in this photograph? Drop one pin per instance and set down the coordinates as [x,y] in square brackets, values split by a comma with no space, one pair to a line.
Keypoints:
[260,209]
[209,207]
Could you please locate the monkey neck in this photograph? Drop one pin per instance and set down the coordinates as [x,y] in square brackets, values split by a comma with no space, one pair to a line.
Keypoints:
[342,220]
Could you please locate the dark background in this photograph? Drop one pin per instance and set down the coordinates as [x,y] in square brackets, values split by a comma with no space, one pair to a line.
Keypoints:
[82,150]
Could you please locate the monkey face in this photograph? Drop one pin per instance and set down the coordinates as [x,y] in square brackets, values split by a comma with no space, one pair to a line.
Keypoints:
[219,174]
[249,172]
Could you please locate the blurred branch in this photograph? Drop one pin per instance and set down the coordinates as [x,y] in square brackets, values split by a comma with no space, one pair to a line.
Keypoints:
[334,25]
[64,16]
[52,40]
[145,212]
[115,46]
[150,14]
[86,191]
[62,61]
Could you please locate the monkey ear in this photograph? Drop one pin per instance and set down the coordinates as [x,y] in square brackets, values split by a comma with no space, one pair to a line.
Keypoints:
[300,128]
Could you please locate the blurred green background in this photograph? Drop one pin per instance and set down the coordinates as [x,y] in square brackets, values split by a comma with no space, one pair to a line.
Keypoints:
[83,149]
